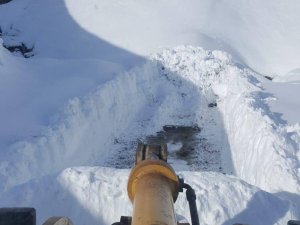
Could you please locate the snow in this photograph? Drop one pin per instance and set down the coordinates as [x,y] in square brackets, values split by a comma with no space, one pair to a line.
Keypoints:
[249,124]
[240,28]
[143,27]
[106,74]
[283,101]
[175,88]
[46,86]
[81,192]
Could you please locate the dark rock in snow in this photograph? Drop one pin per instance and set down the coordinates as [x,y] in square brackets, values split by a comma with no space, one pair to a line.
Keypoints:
[213,104]
[4,1]
[21,48]
[269,78]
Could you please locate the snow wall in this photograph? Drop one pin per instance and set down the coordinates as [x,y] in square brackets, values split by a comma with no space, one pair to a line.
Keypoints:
[260,150]
[264,152]
[84,133]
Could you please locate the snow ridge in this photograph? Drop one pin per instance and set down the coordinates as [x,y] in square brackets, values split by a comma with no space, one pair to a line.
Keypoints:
[262,154]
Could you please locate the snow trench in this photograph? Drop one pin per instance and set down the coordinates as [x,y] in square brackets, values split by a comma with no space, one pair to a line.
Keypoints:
[137,103]
[173,87]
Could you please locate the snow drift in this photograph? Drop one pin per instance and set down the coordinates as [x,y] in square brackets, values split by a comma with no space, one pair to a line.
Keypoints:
[263,35]
[240,28]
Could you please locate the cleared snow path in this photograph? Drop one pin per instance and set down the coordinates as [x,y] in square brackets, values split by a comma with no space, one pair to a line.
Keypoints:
[174,87]
[134,105]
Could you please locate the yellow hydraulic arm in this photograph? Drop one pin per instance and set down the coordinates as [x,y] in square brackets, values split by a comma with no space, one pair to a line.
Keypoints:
[153,188]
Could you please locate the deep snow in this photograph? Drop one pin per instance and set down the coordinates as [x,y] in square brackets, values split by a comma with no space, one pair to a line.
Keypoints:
[173,87]
[262,35]
[87,95]
[89,195]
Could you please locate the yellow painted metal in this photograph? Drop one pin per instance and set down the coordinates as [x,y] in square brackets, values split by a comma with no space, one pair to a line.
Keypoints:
[153,188]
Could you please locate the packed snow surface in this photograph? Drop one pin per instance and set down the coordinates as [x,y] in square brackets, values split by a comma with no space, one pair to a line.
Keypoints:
[72,114]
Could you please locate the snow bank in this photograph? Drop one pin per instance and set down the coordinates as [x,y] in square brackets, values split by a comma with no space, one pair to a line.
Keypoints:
[262,151]
[173,87]
[30,99]
[86,131]
[135,104]
[95,195]
[262,35]
[265,150]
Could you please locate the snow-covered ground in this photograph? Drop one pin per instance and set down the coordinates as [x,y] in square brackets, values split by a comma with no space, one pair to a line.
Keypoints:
[101,77]
[89,195]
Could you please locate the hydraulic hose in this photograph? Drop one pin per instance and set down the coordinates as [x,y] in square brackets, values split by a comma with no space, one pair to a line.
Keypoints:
[191,198]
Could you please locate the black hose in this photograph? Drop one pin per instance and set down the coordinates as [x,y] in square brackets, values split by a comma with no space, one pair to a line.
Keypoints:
[191,197]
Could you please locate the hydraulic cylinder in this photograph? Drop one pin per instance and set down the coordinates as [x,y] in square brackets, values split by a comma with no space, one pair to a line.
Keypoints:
[153,188]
